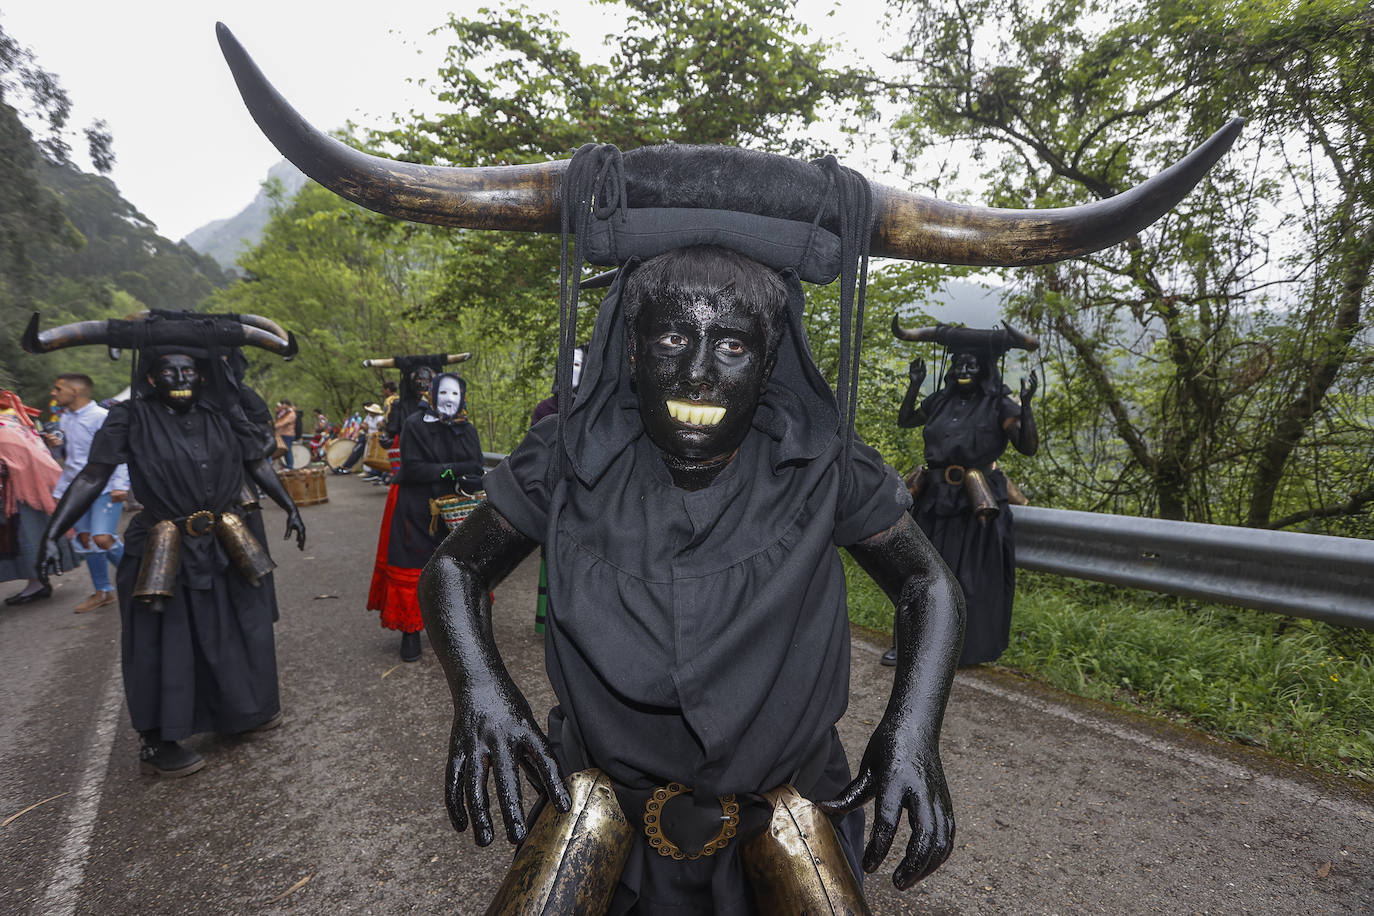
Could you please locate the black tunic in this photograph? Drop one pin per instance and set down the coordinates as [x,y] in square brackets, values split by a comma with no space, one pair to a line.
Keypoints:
[982,555]
[428,450]
[208,661]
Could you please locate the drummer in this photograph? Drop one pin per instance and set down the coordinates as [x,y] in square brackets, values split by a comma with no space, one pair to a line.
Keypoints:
[372,424]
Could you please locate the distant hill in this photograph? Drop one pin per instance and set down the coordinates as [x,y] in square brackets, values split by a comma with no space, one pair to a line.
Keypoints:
[225,239]
[963,302]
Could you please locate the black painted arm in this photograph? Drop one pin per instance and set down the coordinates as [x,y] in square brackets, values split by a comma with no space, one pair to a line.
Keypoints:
[493,727]
[260,469]
[901,767]
[83,491]
[1021,431]
[909,415]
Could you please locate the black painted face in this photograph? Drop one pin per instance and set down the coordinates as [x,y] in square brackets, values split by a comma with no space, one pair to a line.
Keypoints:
[699,370]
[966,368]
[177,380]
[421,379]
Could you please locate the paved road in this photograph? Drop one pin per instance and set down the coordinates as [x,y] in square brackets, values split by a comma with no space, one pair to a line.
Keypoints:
[1063,807]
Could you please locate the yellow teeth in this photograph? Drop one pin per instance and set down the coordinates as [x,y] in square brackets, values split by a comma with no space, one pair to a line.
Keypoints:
[695,414]
[180,394]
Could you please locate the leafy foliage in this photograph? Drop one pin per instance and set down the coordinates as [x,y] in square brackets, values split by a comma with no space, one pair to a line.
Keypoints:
[70,245]
[342,280]
[1196,366]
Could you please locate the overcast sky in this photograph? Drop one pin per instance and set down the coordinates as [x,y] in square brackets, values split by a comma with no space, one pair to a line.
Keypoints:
[187,150]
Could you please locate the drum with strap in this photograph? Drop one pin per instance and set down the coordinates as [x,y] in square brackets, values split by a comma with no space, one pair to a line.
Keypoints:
[337,451]
[374,455]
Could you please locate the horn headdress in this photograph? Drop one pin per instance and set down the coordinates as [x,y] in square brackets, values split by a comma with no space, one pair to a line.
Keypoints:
[962,340]
[394,362]
[159,331]
[529,197]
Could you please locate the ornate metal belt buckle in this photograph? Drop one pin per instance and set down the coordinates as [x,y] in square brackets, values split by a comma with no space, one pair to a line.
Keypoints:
[729,811]
[204,516]
[954,481]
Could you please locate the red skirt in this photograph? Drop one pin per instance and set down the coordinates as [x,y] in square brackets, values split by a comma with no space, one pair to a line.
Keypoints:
[393,590]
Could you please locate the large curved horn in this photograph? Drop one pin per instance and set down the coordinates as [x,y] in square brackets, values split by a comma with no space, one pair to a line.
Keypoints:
[520,197]
[76,334]
[390,361]
[917,335]
[921,228]
[285,347]
[526,197]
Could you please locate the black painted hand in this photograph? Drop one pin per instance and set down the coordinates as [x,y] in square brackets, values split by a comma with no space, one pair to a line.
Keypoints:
[1029,386]
[294,523]
[917,372]
[900,771]
[494,732]
[49,560]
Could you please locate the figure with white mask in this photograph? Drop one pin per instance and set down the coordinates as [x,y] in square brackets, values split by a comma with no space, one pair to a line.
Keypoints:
[442,456]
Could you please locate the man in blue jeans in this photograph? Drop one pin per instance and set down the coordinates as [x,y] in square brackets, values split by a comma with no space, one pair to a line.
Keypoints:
[97,532]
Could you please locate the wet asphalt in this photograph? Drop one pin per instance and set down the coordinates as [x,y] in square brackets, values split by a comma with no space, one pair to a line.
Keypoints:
[1062,806]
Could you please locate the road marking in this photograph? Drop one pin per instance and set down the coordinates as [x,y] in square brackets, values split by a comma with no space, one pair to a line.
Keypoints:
[1229,768]
[60,897]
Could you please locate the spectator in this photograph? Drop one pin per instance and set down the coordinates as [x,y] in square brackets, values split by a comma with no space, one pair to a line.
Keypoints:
[97,531]
[28,474]
[287,426]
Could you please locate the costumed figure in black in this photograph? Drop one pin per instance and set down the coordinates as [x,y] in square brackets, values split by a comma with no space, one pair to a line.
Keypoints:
[258,413]
[197,643]
[442,456]
[392,590]
[960,494]
[690,501]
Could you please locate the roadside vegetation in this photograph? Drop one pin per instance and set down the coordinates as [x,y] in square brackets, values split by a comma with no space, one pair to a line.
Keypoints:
[1301,689]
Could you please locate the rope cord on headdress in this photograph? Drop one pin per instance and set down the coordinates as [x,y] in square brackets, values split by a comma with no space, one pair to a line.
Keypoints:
[594,187]
[855,200]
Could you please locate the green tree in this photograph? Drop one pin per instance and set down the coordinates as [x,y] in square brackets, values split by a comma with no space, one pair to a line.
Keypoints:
[1195,364]
[31,216]
[342,280]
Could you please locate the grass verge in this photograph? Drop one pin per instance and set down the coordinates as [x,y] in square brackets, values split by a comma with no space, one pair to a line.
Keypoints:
[1297,688]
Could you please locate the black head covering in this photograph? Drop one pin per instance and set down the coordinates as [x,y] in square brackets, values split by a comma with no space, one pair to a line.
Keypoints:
[601,223]
[797,408]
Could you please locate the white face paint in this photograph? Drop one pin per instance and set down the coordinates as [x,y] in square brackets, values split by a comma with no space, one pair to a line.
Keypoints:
[577,367]
[449,396]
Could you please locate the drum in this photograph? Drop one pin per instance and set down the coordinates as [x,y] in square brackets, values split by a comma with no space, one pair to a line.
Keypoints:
[337,451]
[300,455]
[374,455]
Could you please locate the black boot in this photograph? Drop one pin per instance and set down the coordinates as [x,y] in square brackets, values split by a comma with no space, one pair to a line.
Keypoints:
[889,658]
[166,758]
[410,647]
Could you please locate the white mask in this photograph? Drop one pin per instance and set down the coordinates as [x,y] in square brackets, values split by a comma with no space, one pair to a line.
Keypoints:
[577,367]
[449,398]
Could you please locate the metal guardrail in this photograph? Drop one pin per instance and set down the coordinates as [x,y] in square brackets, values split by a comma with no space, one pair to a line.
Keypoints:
[1307,575]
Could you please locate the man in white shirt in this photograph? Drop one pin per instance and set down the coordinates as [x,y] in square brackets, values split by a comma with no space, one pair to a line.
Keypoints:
[97,532]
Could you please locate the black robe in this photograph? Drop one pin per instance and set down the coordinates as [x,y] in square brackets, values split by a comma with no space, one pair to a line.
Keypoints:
[207,662]
[982,555]
[699,637]
[429,450]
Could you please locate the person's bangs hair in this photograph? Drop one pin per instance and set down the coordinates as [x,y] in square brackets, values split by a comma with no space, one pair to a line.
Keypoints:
[713,273]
